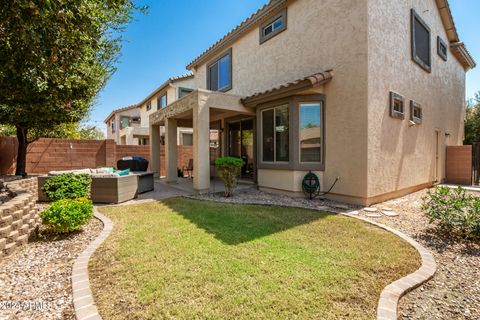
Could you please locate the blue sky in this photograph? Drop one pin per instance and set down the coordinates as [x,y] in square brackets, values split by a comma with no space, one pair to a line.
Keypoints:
[159,45]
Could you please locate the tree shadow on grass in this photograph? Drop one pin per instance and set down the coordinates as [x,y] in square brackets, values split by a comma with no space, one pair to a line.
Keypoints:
[235,224]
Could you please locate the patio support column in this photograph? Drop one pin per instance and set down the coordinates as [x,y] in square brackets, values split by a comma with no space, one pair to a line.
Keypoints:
[171,150]
[154,132]
[201,148]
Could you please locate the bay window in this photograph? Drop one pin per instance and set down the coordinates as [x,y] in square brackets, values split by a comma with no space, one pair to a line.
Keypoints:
[275,134]
[310,135]
[291,133]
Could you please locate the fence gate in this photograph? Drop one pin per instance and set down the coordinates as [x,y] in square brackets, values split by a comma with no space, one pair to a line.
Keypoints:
[476,163]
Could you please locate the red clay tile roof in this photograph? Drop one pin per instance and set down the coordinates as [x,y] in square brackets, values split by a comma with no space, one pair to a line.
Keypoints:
[133,106]
[165,84]
[458,48]
[313,80]
[239,30]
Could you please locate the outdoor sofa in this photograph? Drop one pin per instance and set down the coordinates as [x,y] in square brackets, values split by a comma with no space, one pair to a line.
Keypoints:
[106,187]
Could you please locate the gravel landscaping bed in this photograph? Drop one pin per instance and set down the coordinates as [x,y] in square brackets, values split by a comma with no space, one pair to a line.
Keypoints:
[253,196]
[35,280]
[453,293]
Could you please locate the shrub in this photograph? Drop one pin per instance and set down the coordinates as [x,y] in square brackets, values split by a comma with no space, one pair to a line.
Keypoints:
[67,215]
[453,211]
[68,186]
[229,168]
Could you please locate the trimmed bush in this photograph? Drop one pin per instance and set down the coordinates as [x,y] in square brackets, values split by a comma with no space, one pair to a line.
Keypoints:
[229,168]
[453,211]
[67,215]
[68,186]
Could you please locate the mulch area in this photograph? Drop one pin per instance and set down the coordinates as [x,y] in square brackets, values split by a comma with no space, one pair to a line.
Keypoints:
[453,293]
[35,280]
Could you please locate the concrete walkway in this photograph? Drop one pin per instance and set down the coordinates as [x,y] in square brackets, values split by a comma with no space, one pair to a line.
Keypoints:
[184,187]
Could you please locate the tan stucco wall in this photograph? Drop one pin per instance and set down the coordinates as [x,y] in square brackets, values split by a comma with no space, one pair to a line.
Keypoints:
[284,179]
[400,156]
[116,135]
[320,35]
[172,95]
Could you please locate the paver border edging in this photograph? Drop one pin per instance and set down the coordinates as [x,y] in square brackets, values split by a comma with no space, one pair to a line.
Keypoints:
[387,308]
[83,302]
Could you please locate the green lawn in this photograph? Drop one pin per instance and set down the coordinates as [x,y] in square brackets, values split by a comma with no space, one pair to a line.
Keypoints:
[188,259]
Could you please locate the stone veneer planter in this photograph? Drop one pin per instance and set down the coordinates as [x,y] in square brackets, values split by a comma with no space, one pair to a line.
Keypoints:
[18,216]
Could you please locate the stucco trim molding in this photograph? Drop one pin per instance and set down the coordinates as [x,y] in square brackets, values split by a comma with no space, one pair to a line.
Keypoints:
[83,301]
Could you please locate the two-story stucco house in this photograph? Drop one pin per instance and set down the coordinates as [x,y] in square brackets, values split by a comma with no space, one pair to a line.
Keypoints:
[129,125]
[168,92]
[124,126]
[369,92]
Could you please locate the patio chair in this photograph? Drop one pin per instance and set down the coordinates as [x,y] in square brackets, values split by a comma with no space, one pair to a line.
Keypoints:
[189,168]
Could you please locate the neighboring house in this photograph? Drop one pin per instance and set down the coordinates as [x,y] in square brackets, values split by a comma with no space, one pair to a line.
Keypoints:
[367,91]
[123,126]
[169,92]
[130,125]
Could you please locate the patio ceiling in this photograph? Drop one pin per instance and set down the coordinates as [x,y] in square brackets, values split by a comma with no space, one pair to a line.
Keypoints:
[217,102]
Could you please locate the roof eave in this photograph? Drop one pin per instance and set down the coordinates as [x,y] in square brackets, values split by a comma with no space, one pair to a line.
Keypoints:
[165,85]
[462,54]
[313,81]
[238,31]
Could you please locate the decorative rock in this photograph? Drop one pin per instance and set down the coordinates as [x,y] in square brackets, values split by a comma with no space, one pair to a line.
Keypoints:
[387,209]
[370,209]
[355,212]
[373,215]
[390,213]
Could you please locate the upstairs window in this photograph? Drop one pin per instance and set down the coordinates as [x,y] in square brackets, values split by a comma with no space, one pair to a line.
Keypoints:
[421,42]
[182,92]
[113,126]
[124,122]
[149,106]
[162,102]
[442,49]
[219,73]
[273,26]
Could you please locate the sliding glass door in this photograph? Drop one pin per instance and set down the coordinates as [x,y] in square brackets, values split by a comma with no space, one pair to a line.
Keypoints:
[240,144]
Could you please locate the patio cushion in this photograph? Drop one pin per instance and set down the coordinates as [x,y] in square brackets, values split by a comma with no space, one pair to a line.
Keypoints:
[122,173]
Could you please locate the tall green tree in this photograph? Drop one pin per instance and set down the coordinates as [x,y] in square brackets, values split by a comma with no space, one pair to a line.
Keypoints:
[77,131]
[55,56]
[472,120]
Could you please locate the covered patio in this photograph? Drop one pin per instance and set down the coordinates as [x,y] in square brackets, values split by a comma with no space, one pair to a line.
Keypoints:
[203,111]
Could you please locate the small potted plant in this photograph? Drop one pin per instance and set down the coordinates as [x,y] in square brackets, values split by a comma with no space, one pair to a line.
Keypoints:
[229,168]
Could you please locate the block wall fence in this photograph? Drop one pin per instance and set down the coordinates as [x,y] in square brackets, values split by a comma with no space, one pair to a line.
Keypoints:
[46,155]
[459,165]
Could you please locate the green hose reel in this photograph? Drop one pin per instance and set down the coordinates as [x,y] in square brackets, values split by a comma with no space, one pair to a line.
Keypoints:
[311,185]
